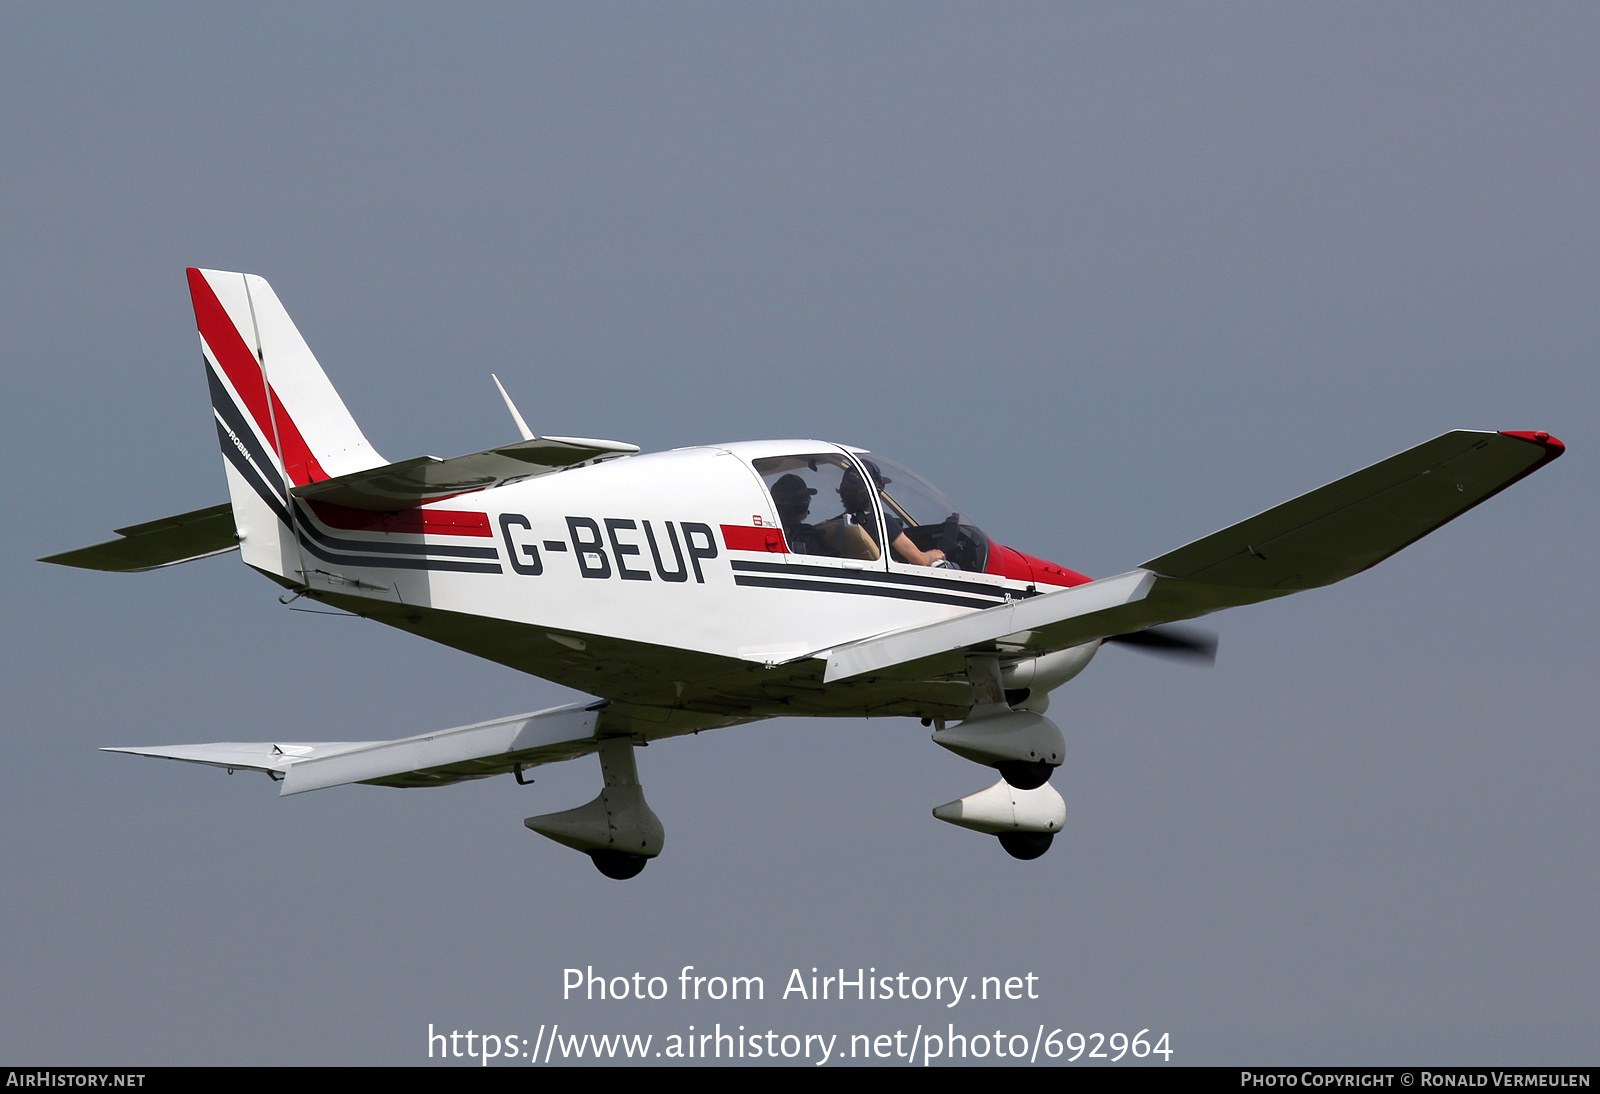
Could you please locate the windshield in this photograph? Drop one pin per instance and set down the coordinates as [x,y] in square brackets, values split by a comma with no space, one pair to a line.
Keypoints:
[909,496]
[932,521]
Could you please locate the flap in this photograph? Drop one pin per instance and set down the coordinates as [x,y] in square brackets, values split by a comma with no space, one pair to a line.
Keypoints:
[986,626]
[487,748]
[268,756]
[428,759]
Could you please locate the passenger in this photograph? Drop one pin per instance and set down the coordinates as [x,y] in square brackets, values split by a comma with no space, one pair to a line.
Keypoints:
[793,498]
[858,503]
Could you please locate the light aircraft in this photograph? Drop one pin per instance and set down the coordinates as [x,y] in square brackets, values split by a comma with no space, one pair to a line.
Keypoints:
[710,586]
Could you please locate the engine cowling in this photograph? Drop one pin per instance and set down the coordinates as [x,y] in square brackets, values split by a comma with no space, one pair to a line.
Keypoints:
[1038,676]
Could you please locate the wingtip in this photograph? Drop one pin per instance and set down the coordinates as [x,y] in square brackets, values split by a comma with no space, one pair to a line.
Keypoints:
[1538,437]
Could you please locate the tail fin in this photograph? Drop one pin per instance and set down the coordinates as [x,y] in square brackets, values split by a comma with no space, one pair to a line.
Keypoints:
[279,421]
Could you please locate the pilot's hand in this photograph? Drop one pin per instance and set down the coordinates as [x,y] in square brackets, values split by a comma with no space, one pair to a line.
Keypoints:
[913,554]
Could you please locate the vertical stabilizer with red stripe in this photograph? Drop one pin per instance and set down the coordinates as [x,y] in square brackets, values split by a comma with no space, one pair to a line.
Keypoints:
[279,420]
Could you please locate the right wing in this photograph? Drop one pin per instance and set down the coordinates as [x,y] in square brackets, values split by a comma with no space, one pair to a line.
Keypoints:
[1360,520]
[1316,539]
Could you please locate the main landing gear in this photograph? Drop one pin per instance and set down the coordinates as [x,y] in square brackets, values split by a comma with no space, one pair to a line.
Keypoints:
[617,830]
[1022,809]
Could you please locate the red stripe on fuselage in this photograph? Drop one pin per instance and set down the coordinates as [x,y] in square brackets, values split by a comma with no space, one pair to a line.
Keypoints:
[417,522]
[244,373]
[738,537]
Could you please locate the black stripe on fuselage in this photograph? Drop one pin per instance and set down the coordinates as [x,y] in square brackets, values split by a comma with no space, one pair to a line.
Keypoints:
[970,588]
[228,411]
[865,589]
[317,543]
[393,563]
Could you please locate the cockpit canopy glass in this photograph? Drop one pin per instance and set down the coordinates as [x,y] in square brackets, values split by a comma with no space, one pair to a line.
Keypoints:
[932,520]
[826,506]
[808,492]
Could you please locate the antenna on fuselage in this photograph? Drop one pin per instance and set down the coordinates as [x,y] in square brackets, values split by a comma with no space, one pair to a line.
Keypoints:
[522,426]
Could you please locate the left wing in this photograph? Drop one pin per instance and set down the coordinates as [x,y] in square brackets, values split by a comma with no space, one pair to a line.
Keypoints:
[1317,539]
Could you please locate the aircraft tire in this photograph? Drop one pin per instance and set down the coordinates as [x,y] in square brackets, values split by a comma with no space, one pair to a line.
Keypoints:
[1025,774]
[1026,845]
[618,865]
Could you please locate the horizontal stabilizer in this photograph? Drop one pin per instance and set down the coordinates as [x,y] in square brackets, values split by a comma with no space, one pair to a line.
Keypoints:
[167,542]
[429,759]
[429,478]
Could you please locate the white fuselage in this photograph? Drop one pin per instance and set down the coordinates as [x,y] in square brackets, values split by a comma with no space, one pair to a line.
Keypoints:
[679,548]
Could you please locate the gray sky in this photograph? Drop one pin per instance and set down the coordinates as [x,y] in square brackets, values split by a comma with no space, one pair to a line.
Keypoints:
[1113,276]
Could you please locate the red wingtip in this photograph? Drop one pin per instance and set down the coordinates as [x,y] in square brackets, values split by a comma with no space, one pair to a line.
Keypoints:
[1539,437]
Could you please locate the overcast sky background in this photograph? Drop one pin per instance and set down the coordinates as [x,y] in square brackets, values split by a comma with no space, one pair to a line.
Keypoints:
[1114,276]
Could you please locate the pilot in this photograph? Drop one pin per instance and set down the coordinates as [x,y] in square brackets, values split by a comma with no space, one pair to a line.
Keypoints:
[858,503]
[793,498]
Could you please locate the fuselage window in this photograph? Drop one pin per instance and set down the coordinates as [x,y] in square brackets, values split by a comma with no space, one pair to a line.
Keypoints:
[806,491]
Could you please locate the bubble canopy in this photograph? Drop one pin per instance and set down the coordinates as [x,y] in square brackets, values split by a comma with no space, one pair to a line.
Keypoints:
[831,504]
[910,496]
